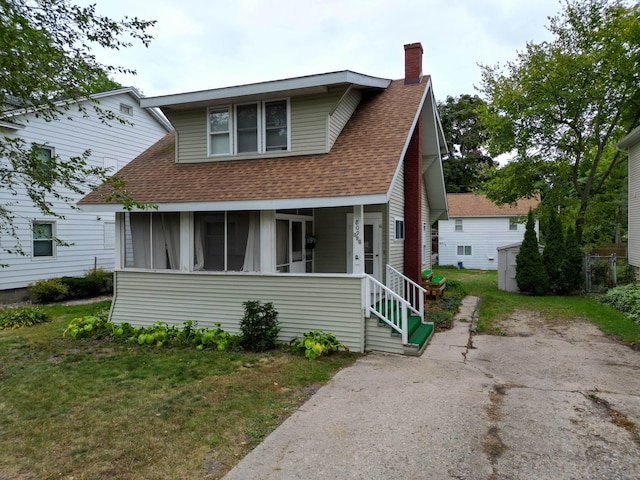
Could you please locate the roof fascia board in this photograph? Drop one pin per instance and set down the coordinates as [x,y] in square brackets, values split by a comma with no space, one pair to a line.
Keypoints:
[263,88]
[408,139]
[275,204]
[632,138]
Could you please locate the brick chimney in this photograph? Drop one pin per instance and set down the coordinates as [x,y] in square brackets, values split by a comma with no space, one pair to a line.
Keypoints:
[413,63]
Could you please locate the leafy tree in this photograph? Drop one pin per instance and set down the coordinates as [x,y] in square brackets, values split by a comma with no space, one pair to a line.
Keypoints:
[553,253]
[562,105]
[531,276]
[467,163]
[47,67]
[571,265]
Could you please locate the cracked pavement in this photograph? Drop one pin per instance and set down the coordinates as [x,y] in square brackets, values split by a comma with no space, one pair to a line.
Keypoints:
[549,400]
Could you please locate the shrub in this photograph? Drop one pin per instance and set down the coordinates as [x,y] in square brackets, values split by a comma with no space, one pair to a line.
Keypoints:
[45,291]
[82,287]
[22,317]
[554,252]
[101,277]
[317,343]
[571,266]
[626,299]
[530,273]
[259,327]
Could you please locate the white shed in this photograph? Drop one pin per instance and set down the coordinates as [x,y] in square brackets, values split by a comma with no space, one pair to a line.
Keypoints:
[507,267]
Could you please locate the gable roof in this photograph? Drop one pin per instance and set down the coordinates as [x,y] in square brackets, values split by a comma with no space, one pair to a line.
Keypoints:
[477,205]
[359,168]
[16,111]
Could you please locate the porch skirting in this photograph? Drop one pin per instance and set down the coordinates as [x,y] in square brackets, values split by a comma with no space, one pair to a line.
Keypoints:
[304,302]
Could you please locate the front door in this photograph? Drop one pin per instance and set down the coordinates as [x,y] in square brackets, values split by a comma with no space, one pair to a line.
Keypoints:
[372,244]
[292,253]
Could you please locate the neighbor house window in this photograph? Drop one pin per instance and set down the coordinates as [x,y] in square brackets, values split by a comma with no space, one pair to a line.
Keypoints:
[464,249]
[43,239]
[126,109]
[513,223]
[399,229]
[249,128]
[459,225]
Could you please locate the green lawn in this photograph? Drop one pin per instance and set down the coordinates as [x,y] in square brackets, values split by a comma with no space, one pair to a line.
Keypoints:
[496,305]
[96,409]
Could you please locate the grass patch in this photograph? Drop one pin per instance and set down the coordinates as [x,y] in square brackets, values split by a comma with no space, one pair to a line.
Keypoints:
[497,305]
[98,409]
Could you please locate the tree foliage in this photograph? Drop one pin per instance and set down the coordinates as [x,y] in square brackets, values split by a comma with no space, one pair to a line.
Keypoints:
[531,276]
[467,164]
[571,265]
[48,69]
[554,245]
[562,105]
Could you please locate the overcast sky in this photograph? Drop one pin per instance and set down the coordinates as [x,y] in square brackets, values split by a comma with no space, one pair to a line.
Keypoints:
[203,44]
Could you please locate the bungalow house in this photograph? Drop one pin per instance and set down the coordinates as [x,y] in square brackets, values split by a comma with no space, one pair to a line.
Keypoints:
[315,193]
[88,235]
[476,227]
[631,145]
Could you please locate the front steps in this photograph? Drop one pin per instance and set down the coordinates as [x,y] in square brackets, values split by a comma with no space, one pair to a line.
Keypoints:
[419,336]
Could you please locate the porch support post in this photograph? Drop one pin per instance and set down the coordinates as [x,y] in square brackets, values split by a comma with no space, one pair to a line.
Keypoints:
[268,241]
[358,239]
[118,260]
[186,241]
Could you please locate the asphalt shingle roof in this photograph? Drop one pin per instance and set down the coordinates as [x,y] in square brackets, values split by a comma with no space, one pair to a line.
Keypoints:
[362,161]
[476,205]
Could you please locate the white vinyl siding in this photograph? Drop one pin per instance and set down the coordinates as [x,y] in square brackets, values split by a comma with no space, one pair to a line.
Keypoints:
[380,338]
[634,206]
[483,234]
[341,115]
[332,303]
[85,231]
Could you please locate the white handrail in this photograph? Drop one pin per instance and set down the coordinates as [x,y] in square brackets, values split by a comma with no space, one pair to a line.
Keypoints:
[387,305]
[407,289]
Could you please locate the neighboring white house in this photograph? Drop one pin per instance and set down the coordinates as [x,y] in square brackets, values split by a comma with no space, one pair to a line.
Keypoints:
[631,144]
[477,227]
[91,234]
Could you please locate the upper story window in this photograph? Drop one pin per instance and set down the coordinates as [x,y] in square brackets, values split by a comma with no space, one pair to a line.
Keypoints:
[459,225]
[513,223]
[249,128]
[126,109]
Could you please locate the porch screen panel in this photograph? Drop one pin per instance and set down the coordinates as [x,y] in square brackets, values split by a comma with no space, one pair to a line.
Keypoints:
[166,241]
[282,245]
[209,241]
[140,225]
[237,232]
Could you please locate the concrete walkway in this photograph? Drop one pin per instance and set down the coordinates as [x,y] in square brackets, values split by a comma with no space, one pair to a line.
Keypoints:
[546,401]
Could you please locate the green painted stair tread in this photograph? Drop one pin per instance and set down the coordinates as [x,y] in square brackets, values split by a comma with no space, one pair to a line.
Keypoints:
[422,333]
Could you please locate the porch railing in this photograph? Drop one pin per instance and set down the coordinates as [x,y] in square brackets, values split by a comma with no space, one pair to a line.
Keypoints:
[388,306]
[407,289]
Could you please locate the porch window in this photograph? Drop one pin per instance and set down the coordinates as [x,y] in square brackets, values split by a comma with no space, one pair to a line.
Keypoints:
[227,241]
[152,240]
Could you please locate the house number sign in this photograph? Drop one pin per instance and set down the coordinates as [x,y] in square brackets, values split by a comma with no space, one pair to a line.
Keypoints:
[356,232]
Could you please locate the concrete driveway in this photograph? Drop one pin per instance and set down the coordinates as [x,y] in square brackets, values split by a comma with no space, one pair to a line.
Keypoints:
[550,400]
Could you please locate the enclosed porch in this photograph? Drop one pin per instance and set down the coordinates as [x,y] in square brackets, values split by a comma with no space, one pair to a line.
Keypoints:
[324,269]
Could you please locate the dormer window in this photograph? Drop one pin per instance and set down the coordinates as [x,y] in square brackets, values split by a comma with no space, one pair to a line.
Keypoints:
[249,128]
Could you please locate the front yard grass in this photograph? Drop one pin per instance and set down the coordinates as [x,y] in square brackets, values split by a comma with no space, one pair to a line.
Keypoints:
[496,305]
[97,409]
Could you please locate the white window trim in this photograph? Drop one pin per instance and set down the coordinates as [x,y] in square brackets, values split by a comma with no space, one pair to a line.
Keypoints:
[53,255]
[395,229]
[233,134]
[455,225]
[126,109]
[513,222]
[463,254]
[230,130]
